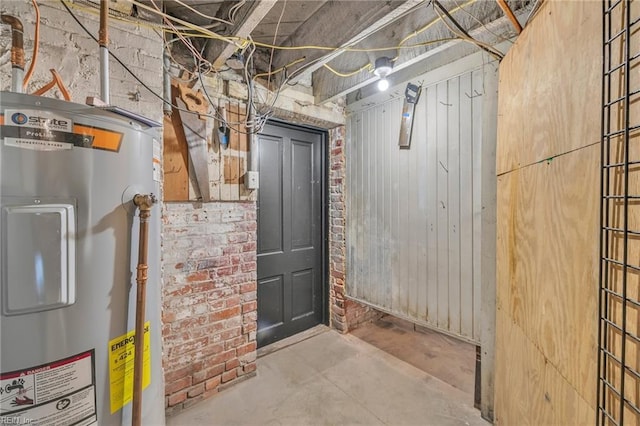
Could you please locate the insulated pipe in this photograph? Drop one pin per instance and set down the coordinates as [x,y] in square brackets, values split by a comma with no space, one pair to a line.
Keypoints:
[507,11]
[17,52]
[144,204]
[103,41]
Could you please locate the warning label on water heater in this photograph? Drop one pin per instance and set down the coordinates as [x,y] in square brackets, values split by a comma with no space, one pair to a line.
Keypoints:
[59,393]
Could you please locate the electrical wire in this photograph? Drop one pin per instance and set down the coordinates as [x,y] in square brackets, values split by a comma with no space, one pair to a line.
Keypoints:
[490,49]
[150,90]
[472,16]
[279,70]
[36,42]
[429,25]
[275,37]
[197,12]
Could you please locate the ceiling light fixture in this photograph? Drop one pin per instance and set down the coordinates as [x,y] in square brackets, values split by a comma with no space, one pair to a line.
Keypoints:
[235,61]
[383,67]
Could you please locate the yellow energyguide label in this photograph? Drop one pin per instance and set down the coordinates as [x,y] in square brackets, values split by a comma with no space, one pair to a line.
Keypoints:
[121,354]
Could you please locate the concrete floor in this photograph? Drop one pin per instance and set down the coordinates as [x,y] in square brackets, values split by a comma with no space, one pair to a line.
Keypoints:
[450,360]
[333,379]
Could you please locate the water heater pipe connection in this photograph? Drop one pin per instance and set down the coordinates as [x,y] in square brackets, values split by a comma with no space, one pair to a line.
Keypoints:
[17,51]
[103,41]
[144,203]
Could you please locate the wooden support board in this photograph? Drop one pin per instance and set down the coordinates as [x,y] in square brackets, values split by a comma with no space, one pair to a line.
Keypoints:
[175,159]
[227,167]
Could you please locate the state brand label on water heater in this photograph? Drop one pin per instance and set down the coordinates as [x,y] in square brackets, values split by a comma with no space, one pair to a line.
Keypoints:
[60,392]
[39,130]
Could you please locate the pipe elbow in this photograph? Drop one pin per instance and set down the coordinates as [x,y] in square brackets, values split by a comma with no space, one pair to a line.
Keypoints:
[17,43]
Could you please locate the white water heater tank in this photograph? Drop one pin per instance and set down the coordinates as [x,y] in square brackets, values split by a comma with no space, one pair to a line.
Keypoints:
[68,257]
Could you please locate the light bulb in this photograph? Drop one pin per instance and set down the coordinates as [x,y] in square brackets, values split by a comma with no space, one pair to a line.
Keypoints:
[383,84]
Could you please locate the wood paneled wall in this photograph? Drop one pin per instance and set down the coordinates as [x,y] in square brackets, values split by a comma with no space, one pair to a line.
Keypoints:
[548,160]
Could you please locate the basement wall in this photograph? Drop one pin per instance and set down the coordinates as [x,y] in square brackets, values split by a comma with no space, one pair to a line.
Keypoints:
[65,47]
[208,249]
[547,218]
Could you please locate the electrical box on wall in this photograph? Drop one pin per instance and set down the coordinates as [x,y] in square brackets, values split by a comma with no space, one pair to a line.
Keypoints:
[251,180]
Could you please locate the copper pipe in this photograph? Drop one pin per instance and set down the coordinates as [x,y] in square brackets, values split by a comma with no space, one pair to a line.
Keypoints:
[144,204]
[17,51]
[17,44]
[103,33]
[56,81]
[509,13]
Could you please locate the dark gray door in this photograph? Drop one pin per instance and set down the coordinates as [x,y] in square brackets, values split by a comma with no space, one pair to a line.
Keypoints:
[290,243]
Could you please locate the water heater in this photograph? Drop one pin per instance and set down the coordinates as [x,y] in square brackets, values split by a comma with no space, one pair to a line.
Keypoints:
[68,257]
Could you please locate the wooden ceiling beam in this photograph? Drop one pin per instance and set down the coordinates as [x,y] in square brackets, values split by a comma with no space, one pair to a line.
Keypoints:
[340,24]
[220,51]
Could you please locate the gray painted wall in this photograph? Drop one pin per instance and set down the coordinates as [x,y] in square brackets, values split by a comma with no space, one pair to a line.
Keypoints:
[414,216]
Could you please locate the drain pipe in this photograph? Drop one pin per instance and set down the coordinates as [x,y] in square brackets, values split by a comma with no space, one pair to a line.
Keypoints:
[103,41]
[17,52]
[144,204]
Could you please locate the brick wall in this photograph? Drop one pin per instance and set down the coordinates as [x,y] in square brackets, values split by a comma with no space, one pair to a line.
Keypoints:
[67,48]
[209,301]
[345,314]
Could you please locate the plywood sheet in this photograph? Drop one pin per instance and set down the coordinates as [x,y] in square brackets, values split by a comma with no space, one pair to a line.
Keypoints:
[529,389]
[550,80]
[547,257]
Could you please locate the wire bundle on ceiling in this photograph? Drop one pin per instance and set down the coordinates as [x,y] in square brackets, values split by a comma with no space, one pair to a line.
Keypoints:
[261,109]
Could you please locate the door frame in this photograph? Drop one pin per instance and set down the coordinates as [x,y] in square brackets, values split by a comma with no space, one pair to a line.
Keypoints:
[324,195]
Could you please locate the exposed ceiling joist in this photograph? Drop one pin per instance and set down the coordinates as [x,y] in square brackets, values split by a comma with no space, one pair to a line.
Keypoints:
[328,87]
[355,23]
[221,52]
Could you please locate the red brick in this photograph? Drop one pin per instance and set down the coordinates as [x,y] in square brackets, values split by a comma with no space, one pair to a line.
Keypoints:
[232,301]
[225,314]
[247,287]
[203,375]
[177,385]
[221,272]
[188,346]
[232,249]
[221,358]
[235,342]
[175,374]
[249,347]
[230,334]
[247,328]
[177,291]
[177,398]
[249,307]
[249,266]
[198,276]
[195,390]
[337,274]
[213,383]
[227,376]
[249,368]
[250,247]
[231,364]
